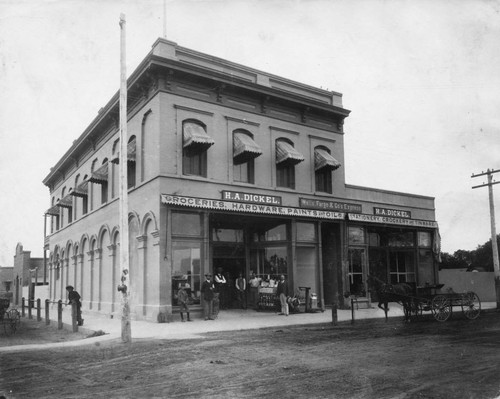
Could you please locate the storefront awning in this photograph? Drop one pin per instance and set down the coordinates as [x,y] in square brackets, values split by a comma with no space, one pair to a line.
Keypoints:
[131,151]
[323,159]
[53,211]
[100,176]
[81,190]
[195,137]
[66,202]
[286,153]
[244,148]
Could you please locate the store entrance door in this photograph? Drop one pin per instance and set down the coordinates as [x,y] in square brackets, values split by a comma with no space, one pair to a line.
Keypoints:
[357,272]
[231,261]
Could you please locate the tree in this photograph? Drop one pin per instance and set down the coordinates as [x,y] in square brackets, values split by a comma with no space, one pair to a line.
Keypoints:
[480,258]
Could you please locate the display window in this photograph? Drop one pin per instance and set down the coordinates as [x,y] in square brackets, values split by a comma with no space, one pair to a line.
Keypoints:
[272,233]
[186,269]
[401,239]
[424,239]
[186,224]
[269,263]
[356,235]
[402,267]
[306,231]
[227,235]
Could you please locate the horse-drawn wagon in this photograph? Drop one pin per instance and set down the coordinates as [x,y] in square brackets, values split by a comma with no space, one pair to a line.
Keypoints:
[9,318]
[417,300]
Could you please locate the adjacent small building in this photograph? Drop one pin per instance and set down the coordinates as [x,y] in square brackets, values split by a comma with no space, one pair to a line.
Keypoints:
[6,273]
[27,273]
[228,167]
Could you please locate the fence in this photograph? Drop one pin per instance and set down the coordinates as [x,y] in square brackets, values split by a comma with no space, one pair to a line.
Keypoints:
[29,305]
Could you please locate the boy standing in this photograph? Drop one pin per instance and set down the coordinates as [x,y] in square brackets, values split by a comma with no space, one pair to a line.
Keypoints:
[182,297]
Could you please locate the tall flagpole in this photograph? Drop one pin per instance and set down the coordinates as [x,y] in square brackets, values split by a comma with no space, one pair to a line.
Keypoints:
[124,288]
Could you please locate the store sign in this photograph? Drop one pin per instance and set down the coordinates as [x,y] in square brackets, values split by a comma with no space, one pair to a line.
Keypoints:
[330,205]
[391,212]
[251,198]
[233,206]
[392,220]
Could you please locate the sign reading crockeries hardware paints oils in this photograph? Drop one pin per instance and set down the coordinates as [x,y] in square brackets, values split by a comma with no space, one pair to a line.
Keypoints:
[392,220]
[391,213]
[233,206]
[330,205]
[251,198]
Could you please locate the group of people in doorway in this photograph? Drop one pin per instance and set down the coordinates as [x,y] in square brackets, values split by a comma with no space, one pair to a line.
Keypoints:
[247,294]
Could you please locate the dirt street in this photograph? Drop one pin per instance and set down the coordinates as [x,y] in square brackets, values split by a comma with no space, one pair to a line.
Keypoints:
[370,359]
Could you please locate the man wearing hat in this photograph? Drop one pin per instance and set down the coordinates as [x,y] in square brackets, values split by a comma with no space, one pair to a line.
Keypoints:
[74,297]
[207,290]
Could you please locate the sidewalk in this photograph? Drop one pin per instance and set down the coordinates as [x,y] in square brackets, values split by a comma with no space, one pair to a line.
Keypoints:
[228,320]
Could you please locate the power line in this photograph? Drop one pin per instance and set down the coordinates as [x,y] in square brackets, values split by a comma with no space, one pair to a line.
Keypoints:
[494,246]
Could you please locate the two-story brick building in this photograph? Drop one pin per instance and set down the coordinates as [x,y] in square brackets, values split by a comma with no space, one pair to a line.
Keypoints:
[228,167]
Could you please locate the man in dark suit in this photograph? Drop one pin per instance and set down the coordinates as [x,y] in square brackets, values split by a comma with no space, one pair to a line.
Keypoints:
[74,298]
[207,290]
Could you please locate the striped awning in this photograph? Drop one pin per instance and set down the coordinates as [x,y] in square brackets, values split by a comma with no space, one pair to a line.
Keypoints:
[82,190]
[66,202]
[131,151]
[100,176]
[54,211]
[286,153]
[323,159]
[244,148]
[195,137]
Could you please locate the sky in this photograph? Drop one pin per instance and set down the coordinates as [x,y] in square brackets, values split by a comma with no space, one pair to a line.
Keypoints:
[422,79]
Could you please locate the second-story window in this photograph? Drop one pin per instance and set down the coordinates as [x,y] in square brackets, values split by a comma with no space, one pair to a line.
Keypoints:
[100,176]
[286,159]
[131,164]
[104,184]
[195,144]
[245,150]
[324,164]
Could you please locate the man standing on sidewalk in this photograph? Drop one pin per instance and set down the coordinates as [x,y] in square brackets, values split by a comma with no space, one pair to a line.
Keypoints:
[241,286]
[282,292]
[207,290]
[254,291]
[74,298]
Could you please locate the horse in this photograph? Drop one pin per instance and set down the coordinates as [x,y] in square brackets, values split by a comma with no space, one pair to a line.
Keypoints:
[399,293]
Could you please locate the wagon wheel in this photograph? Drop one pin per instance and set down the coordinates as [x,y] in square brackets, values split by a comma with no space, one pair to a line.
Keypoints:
[13,320]
[471,305]
[441,308]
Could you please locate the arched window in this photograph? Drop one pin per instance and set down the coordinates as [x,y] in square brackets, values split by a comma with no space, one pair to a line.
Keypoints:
[115,168]
[286,159]
[85,197]
[100,176]
[131,164]
[245,150]
[147,147]
[77,200]
[324,164]
[104,184]
[63,194]
[196,142]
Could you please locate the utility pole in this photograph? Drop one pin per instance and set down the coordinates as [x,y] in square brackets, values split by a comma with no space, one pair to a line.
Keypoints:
[124,288]
[494,245]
